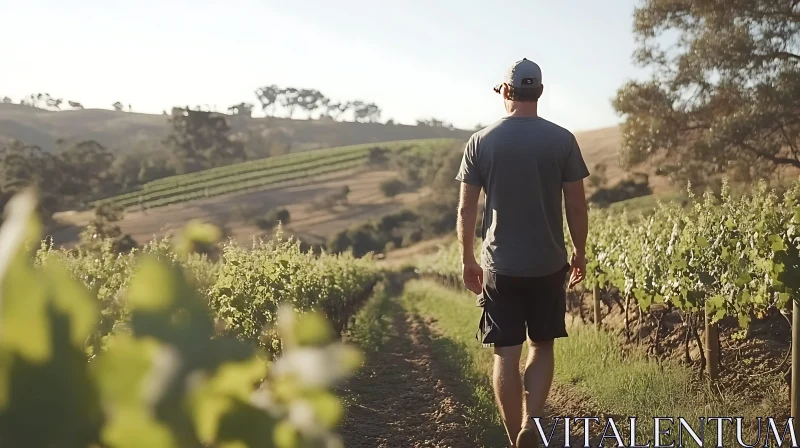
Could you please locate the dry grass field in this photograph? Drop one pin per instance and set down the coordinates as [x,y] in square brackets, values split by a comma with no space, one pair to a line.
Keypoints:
[124,130]
[602,146]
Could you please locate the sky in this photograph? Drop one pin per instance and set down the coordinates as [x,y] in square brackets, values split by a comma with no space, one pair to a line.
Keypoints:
[414,58]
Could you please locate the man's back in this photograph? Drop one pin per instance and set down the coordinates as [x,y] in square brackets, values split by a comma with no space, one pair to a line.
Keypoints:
[521,162]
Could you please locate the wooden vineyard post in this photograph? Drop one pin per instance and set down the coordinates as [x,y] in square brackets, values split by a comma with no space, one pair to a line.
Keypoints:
[596,295]
[712,347]
[795,366]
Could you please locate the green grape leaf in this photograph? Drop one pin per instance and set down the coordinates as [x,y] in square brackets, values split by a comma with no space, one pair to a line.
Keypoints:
[328,409]
[155,287]
[783,299]
[744,321]
[72,299]
[245,425]
[286,436]
[716,302]
[217,395]
[135,428]
[23,324]
[122,370]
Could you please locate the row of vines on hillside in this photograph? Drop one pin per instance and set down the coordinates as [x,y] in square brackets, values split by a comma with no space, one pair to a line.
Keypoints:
[288,159]
[239,186]
[167,190]
[258,174]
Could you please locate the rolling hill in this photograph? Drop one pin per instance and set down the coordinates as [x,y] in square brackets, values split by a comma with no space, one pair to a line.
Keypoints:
[121,130]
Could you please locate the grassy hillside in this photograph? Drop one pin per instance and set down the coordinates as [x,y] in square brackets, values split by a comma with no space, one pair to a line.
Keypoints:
[122,130]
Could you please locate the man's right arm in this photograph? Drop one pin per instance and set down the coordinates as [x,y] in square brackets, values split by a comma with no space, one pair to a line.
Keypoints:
[577,214]
[578,222]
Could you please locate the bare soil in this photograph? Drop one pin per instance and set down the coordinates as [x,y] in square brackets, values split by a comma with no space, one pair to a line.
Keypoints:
[402,398]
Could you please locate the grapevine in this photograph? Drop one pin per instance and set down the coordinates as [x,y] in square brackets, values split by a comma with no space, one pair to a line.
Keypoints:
[736,256]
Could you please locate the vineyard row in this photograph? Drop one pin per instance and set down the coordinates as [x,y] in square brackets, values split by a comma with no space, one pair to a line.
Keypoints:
[732,256]
[166,348]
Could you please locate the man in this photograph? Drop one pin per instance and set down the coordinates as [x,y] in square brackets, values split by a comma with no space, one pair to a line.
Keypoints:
[523,163]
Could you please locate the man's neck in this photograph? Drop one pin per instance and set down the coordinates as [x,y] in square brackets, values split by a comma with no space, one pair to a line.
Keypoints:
[525,111]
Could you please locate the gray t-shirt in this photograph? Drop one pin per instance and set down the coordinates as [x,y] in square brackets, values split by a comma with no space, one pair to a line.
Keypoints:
[521,163]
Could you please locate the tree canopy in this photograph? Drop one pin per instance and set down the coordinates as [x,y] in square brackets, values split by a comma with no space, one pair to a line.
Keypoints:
[724,90]
[72,176]
[292,99]
[201,139]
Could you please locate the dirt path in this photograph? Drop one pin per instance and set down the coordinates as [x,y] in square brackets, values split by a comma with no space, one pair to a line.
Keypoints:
[402,397]
[407,397]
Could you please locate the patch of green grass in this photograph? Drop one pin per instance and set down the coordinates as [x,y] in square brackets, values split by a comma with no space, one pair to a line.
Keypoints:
[456,345]
[591,362]
[617,381]
[372,325]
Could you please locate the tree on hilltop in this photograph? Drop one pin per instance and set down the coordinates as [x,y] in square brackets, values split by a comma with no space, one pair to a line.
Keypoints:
[242,109]
[268,97]
[309,99]
[366,112]
[289,97]
[336,110]
[54,103]
[435,123]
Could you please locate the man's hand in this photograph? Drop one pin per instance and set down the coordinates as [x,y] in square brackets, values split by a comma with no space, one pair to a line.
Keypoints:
[578,271]
[472,274]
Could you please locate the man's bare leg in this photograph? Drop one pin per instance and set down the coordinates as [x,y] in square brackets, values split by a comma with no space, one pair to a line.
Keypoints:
[538,379]
[508,388]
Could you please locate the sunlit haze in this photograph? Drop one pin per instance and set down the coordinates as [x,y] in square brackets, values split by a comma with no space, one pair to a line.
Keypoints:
[415,58]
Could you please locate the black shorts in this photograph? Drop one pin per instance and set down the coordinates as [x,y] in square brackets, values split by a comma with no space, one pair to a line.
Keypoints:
[513,304]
